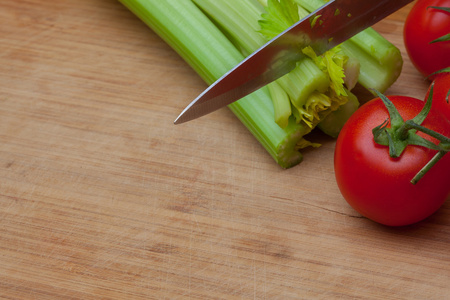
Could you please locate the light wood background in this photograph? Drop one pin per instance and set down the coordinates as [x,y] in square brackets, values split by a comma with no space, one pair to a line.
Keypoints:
[102,197]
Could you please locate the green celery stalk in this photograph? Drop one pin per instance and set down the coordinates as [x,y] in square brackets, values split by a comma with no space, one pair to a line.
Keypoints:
[241,20]
[237,22]
[281,104]
[303,80]
[380,61]
[211,54]
[333,122]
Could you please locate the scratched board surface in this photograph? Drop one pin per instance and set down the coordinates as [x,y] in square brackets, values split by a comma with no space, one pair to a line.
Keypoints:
[101,196]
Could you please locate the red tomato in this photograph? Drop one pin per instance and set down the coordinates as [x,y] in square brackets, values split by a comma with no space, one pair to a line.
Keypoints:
[378,186]
[441,94]
[423,25]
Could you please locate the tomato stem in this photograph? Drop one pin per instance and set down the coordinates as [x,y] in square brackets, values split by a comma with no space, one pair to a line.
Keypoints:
[428,166]
[432,133]
[403,133]
[443,8]
[445,70]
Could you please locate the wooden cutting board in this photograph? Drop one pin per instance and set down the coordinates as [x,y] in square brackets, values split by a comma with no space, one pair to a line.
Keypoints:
[102,197]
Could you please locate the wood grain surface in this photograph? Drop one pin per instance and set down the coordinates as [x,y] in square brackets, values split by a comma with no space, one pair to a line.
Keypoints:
[102,197]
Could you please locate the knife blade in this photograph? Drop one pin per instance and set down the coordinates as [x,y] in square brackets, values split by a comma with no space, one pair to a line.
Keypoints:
[338,20]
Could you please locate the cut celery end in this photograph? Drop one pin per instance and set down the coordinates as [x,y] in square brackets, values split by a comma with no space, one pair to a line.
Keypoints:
[333,122]
[317,107]
[279,142]
[352,69]
[373,74]
[300,83]
[380,61]
[190,33]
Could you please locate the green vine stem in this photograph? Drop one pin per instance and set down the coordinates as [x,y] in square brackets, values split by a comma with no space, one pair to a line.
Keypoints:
[403,133]
[444,141]
[428,166]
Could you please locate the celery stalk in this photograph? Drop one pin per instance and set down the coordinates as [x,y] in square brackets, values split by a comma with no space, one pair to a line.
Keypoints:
[239,23]
[232,17]
[214,36]
[209,52]
[281,104]
[333,122]
[236,21]
[304,81]
[380,61]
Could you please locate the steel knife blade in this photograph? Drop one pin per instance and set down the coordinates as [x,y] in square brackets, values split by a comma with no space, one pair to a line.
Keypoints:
[338,20]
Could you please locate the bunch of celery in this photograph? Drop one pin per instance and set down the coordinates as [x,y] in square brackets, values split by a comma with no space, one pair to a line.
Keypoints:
[315,88]
[213,36]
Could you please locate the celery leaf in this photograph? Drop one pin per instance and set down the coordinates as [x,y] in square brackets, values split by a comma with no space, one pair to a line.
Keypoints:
[279,16]
[332,63]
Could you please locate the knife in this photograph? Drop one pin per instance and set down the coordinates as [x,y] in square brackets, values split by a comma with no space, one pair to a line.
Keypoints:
[337,21]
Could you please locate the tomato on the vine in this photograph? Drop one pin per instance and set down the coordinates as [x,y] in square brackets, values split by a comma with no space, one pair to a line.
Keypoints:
[427,23]
[379,186]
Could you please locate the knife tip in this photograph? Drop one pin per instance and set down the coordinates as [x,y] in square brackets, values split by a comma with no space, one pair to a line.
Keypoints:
[179,120]
[176,122]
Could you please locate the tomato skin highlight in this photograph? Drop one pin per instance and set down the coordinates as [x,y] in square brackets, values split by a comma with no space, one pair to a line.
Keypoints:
[422,26]
[378,186]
